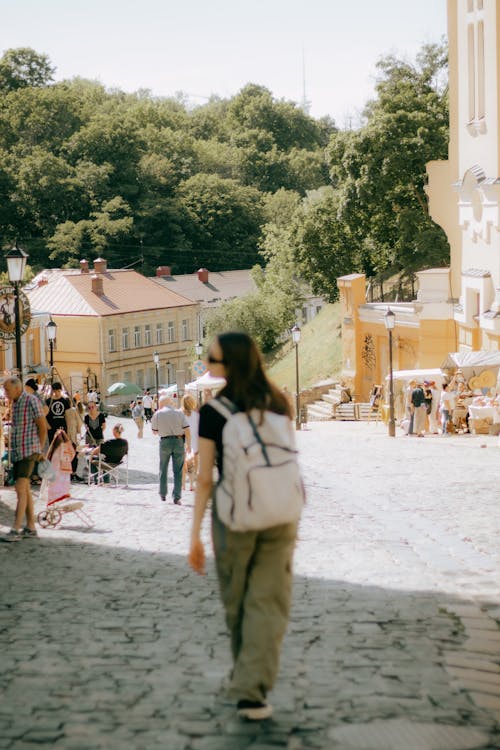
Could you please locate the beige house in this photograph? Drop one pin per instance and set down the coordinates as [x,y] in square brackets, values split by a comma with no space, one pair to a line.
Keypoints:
[456,309]
[109,323]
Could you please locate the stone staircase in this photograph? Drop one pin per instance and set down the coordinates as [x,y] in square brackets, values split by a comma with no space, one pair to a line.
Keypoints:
[327,407]
[331,406]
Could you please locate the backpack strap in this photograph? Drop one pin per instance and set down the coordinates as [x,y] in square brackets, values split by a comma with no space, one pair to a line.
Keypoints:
[224,406]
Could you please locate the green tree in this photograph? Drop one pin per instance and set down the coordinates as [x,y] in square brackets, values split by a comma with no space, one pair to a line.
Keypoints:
[254,314]
[379,171]
[323,245]
[23,67]
[222,220]
[101,234]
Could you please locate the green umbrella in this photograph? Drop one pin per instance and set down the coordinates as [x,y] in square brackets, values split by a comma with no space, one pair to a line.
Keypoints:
[124,389]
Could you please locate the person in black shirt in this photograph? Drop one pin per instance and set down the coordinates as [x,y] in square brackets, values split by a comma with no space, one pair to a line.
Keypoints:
[57,406]
[112,451]
[253,568]
[95,424]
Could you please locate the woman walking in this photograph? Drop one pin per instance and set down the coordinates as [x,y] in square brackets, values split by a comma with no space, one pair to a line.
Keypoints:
[253,567]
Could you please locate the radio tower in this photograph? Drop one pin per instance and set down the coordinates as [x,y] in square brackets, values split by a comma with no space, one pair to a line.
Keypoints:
[305,104]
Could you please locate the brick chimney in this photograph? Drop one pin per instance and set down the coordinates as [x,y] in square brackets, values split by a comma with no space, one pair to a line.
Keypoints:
[203,275]
[100,265]
[164,271]
[97,285]
[84,266]
[42,281]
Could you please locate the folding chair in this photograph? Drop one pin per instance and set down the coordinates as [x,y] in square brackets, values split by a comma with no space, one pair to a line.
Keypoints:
[107,472]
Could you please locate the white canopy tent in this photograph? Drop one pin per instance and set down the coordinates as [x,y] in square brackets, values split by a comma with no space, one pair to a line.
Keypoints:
[206,381]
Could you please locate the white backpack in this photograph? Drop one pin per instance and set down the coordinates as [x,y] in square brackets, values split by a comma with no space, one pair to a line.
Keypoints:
[261,484]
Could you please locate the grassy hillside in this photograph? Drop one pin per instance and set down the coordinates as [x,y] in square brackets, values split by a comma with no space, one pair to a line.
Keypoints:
[319,352]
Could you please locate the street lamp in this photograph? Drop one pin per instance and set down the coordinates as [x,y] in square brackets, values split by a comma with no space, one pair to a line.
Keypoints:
[156,360]
[390,322]
[51,328]
[296,339]
[168,373]
[198,349]
[16,265]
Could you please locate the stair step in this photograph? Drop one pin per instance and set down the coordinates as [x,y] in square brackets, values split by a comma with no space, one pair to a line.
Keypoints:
[331,398]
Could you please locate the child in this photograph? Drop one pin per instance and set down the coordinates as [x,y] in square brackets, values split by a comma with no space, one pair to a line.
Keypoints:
[61,454]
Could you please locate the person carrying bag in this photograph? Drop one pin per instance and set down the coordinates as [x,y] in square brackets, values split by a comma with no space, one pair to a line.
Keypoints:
[247,431]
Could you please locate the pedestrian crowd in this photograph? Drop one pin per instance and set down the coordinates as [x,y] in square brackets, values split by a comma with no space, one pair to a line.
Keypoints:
[445,410]
[246,434]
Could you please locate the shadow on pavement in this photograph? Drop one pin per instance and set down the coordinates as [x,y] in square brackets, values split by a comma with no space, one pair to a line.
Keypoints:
[111,648]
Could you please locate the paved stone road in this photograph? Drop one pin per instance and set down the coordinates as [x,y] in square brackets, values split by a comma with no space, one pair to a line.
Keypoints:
[107,640]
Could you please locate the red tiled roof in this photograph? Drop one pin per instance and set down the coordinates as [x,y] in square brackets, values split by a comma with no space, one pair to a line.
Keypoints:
[68,292]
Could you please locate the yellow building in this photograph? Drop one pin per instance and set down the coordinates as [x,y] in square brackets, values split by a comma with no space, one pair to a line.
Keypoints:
[457,309]
[109,323]
[423,335]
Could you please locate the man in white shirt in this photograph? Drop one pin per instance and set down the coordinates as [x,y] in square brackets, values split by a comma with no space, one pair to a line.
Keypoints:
[147,402]
[173,428]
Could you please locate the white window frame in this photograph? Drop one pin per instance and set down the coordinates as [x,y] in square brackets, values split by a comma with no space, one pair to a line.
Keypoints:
[112,340]
[137,337]
[125,339]
[159,333]
[170,332]
[147,335]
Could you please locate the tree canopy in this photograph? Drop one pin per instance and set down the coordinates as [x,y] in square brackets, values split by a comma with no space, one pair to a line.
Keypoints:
[246,180]
[85,170]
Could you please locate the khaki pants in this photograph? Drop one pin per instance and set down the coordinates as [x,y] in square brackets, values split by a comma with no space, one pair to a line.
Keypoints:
[255,578]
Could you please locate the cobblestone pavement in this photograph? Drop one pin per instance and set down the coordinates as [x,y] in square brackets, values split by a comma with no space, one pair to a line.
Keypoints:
[107,640]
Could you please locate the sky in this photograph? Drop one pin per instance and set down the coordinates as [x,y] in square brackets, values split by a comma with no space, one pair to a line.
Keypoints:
[206,47]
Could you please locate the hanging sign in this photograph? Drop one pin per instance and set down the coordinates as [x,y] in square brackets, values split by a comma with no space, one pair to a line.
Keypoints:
[7,314]
[199,367]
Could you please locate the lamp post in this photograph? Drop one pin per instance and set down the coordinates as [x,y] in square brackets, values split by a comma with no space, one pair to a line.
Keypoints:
[156,360]
[168,373]
[16,265]
[390,322]
[296,339]
[198,349]
[51,329]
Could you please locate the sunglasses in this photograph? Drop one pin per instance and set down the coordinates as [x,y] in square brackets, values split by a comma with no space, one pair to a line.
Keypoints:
[213,361]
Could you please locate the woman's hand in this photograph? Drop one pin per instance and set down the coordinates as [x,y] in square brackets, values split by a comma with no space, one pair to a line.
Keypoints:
[196,556]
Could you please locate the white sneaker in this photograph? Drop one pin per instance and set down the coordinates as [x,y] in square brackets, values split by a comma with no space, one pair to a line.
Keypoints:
[12,536]
[254,710]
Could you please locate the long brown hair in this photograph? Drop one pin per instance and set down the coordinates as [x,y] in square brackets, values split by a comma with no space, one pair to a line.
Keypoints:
[247,385]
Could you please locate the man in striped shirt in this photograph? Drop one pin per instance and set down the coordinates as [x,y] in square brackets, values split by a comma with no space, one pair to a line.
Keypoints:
[28,435]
